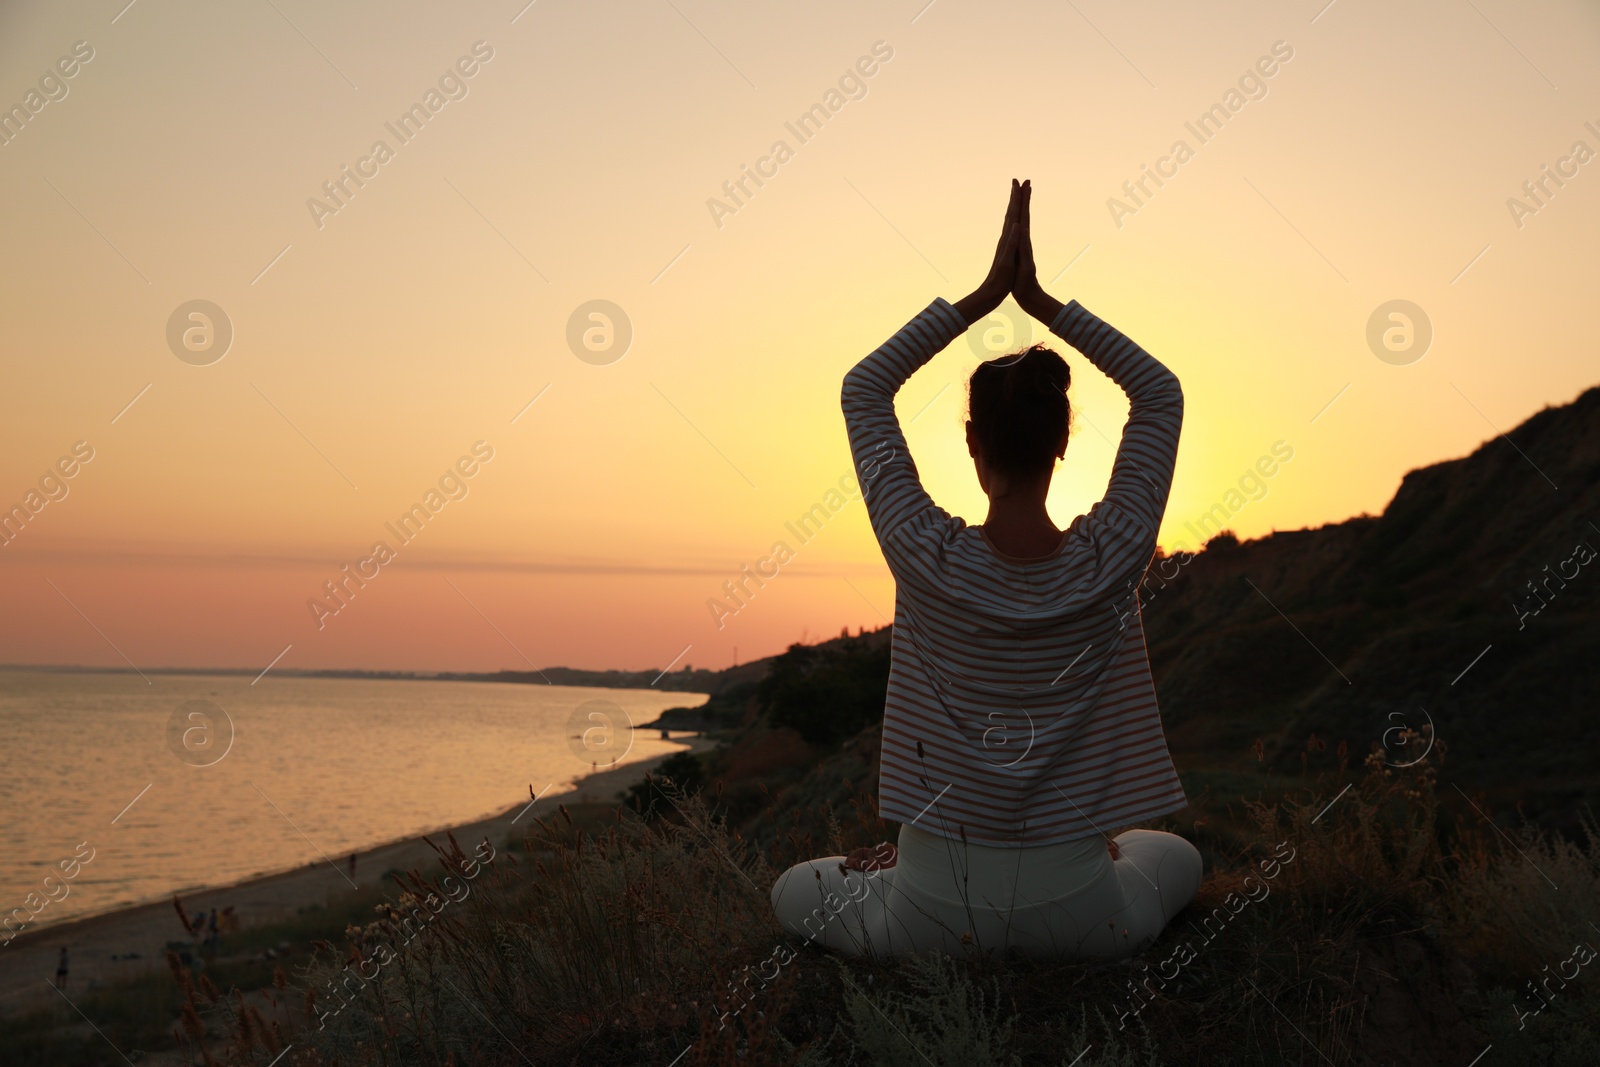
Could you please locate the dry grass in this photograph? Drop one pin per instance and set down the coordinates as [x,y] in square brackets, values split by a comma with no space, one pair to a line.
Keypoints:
[1389,938]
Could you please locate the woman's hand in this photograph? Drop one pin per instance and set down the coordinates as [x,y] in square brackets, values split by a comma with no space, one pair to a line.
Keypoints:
[1031,297]
[876,858]
[1002,272]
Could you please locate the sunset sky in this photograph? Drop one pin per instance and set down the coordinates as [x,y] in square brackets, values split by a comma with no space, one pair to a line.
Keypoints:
[375,344]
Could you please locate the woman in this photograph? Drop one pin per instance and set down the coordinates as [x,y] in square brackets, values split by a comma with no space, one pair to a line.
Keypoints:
[1021,716]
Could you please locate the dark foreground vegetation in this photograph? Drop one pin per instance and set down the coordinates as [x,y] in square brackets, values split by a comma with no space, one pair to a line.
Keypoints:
[1387,937]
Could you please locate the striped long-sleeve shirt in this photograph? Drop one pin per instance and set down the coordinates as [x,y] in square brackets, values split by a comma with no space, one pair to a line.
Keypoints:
[1021,709]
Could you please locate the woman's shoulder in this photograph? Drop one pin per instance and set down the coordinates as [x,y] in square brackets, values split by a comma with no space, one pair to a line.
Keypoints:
[931,542]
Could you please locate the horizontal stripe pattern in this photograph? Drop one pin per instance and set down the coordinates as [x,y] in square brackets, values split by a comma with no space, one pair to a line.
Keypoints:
[1027,684]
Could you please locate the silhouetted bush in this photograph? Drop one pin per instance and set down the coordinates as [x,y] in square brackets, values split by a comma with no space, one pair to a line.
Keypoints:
[826,694]
[685,775]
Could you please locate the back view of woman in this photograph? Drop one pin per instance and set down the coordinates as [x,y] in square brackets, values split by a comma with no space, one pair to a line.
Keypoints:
[1021,717]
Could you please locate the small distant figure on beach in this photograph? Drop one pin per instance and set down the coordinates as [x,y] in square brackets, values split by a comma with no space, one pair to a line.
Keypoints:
[211,930]
[352,865]
[61,970]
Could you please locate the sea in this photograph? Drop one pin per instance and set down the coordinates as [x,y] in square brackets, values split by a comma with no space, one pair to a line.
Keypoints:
[181,781]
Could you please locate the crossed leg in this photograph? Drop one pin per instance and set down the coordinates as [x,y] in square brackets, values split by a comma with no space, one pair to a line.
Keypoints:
[1119,913]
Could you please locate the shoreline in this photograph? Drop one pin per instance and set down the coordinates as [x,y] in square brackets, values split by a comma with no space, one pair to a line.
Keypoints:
[138,933]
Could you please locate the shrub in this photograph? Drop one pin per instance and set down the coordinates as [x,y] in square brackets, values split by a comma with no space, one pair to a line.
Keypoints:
[680,773]
[826,694]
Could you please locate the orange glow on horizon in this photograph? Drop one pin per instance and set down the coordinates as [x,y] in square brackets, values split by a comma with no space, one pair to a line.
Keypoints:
[583,158]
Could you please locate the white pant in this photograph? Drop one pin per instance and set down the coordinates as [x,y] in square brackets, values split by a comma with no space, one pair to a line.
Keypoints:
[1069,900]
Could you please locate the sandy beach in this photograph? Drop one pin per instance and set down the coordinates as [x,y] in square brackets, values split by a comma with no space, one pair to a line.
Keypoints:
[121,944]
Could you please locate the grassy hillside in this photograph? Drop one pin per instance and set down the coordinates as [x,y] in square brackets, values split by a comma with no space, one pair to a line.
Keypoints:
[1353,630]
[1388,937]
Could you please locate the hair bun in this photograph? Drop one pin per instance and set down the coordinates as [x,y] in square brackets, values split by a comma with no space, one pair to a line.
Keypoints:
[1019,409]
[1047,374]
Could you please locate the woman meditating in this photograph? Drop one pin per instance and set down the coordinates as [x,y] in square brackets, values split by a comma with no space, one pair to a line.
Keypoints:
[1021,719]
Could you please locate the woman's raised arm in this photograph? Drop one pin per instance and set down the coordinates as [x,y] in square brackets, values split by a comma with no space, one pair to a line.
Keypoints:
[888,478]
[1141,477]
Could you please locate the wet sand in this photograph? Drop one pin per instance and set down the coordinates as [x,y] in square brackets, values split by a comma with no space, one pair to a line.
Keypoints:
[28,963]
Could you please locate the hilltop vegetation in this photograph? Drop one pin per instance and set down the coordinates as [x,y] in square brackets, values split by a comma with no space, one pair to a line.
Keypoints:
[1355,630]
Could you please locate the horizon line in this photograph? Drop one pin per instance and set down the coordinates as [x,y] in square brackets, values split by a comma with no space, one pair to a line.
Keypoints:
[311,672]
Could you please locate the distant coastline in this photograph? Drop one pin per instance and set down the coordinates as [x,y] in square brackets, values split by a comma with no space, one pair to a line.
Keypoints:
[685,680]
[680,681]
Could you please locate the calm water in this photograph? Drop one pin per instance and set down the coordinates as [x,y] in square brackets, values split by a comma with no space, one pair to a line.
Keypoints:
[335,765]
